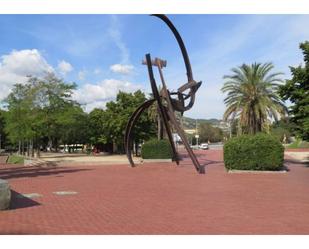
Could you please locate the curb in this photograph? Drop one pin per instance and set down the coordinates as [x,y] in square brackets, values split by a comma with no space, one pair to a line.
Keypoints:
[156,160]
[235,171]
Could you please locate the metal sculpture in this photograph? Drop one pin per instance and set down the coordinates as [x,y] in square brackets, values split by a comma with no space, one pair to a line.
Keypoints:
[167,105]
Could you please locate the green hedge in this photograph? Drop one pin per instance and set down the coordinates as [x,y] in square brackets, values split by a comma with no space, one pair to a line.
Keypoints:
[258,152]
[157,149]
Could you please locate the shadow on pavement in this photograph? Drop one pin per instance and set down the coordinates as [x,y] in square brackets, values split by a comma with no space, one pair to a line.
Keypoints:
[19,201]
[35,171]
[297,162]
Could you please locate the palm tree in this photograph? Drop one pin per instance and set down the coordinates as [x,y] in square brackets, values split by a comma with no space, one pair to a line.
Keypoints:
[252,97]
[153,113]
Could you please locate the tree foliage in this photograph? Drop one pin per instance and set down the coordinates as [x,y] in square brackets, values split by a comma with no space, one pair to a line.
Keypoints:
[282,130]
[42,111]
[207,132]
[297,91]
[2,127]
[252,96]
[43,114]
[108,126]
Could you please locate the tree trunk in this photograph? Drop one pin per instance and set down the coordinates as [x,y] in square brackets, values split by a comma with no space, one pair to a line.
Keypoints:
[114,147]
[28,149]
[19,147]
[160,128]
[136,148]
[38,148]
[32,148]
[56,145]
[23,147]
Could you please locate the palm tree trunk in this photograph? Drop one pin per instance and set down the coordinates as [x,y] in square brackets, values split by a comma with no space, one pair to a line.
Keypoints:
[160,128]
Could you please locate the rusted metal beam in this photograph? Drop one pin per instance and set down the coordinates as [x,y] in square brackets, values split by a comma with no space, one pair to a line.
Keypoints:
[167,110]
[161,108]
[128,139]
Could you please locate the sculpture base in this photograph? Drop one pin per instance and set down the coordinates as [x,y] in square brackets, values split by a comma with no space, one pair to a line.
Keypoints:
[5,195]
[201,170]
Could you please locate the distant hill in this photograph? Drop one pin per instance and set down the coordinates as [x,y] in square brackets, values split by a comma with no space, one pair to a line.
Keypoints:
[190,123]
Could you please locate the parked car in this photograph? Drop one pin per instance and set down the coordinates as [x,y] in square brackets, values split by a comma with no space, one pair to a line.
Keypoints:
[194,147]
[204,146]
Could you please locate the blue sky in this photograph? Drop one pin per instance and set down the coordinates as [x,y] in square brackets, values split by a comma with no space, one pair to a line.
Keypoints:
[103,53]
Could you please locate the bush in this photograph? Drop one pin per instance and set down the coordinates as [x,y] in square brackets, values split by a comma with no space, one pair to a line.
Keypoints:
[157,149]
[258,152]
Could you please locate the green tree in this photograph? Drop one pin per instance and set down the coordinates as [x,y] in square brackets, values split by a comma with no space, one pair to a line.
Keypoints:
[113,120]
[282,130]
[41,112]
[154,115]
[96,126]
[19,116]
[2,131]
[53,97]
[297,91]
[252,96]
[73,126]
[209,133]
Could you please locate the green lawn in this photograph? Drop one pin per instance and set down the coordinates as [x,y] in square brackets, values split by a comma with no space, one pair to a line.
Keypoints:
[14,159]
[298,144]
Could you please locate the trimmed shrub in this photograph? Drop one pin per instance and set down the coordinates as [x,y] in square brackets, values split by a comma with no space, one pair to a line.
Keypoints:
[157,149]
[253,152]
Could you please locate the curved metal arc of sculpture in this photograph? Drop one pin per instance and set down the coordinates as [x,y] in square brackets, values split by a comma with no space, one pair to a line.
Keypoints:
[167,112]
[180,43]
[179,105]
[128,134]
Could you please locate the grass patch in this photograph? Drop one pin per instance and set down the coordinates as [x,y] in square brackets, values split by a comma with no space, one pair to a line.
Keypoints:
[14,159]
[298,144]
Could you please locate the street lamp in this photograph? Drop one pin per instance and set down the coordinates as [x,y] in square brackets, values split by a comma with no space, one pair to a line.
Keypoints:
[197,137]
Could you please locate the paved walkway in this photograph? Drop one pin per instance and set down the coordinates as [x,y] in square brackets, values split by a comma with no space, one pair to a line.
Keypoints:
[156,199]
[81,159]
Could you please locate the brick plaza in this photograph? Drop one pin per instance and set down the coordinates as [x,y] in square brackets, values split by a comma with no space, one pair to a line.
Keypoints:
[156,198]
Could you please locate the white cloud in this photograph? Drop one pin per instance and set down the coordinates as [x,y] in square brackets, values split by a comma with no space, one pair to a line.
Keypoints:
[253,38]
[96,95]
[64,67]
[97,71]
[121,68]
[82,75]
[115,34]
[17,65]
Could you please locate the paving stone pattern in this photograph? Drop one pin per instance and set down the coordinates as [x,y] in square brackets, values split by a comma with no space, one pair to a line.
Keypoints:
[157,198]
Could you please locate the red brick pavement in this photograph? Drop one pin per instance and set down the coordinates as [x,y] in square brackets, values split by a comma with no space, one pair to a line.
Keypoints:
[157,199]
[298,149]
